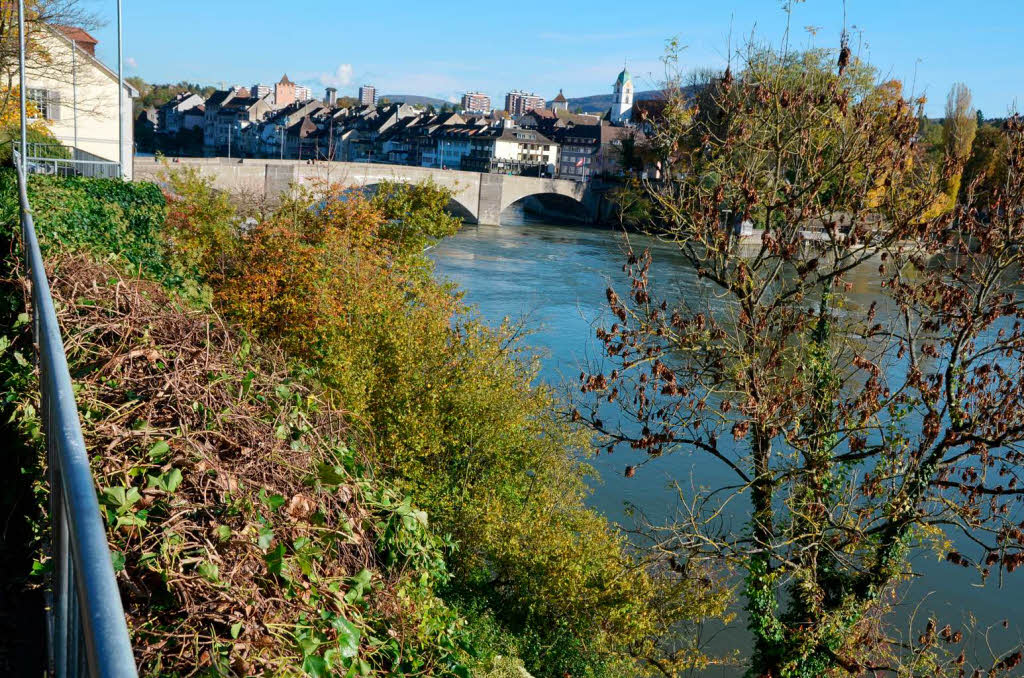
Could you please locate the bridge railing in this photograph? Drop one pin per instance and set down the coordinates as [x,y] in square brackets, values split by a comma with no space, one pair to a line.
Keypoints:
[88,633]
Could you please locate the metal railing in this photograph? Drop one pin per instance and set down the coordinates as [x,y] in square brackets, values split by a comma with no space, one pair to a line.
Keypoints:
[65,161]
[87,627]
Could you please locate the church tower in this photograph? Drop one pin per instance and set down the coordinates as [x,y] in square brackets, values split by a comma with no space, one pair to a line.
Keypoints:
[622,103]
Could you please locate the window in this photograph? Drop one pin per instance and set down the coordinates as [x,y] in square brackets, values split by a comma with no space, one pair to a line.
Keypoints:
[47,102]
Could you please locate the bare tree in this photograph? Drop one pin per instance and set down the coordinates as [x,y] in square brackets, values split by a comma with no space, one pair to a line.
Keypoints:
[38,14]
[855,434]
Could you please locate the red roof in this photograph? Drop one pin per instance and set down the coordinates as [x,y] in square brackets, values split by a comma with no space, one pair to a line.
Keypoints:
[79,36]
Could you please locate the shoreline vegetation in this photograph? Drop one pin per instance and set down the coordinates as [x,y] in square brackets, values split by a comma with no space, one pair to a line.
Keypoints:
[311,460]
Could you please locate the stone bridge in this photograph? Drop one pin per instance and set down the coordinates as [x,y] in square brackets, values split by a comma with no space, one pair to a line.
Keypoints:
[480,198]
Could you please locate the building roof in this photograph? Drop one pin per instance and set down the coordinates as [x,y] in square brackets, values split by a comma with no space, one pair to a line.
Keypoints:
[78,35]
[514,134]
[623,78]
[580,134]
[302,129]
[648,109]
[285,80]
[59,32]
[241,101]
[219,97]
[179,99]
[550,119]
[560,99]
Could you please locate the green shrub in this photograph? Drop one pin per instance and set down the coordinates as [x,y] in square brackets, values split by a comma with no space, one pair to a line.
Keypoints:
[444,407]
[453,413]
[104,217]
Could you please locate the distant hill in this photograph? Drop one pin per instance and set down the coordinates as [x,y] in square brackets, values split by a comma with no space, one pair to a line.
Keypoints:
[599,103]
[414,100]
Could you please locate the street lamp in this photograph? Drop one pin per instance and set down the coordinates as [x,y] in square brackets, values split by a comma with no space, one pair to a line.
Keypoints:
[120,94]
[21,71]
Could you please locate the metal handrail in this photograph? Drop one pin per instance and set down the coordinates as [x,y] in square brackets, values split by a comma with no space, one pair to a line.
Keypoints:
[88,630]
[60,160]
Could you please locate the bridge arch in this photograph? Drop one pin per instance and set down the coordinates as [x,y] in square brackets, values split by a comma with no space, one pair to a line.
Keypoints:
[454,207]
[569,196]
[465,186]
[546,206]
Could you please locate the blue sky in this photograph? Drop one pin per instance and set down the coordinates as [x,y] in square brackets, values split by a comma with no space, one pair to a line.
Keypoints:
[444,49]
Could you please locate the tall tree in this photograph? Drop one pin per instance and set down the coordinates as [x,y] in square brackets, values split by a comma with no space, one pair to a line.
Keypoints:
[959,128]
[854,434]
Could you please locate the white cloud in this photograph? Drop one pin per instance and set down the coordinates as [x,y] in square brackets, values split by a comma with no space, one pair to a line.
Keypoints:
[132,63]
[339,78]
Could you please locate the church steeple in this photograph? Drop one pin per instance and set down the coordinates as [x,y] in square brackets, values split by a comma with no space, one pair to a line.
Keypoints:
[622,103]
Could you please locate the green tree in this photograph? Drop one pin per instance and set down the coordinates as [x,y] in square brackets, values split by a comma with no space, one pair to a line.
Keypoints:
[985,172]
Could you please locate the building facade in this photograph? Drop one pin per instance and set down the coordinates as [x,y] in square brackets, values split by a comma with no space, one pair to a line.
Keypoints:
[260,90]
[367,95]
[518,103]
[284,93]
[512,150]
[78,95]
[475,102]
[586,151]
[171,116]
[560,103]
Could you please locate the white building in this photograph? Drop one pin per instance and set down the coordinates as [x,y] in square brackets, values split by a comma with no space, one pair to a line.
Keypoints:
[78,95]
[508,149]
[260,90]
[622,103]
[367,95]
[303,93]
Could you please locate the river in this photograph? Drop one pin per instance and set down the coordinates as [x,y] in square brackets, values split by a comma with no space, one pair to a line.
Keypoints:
[554,278]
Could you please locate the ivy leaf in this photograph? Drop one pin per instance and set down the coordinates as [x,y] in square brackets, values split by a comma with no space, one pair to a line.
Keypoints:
[316,666]
[275,559]
[266,538]
[330,475]
[348,637]
[209,571]
[159,451]
[168,482]
[274,501]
